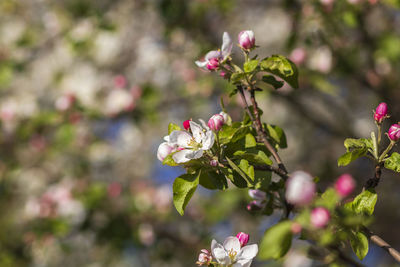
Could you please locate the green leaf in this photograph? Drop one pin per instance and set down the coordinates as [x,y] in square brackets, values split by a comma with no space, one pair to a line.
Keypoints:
[250,66]
[393,162]
[173,127]
[213,180]
[183,188]
[328,199]
[237,77]
[235,178]
[281,67]
[246,168]
[359,244]
[365,202]
[272,81]
[351,143]
[226,133]
[239,171]
[168,160]
[350,156]
[259,158]
[249,141]
[240,133]
[276,241]
[277,134]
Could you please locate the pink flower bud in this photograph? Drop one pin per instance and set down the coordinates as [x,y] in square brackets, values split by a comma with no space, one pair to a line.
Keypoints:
[204,257]
[214,163]
[300,188]
[120,81]
[344,185]
[257,194]
[320,217]
[225,116]
[296,228]
[216,122]
[255,205]
[164,150]
[247,39]
[243,238]
[380,112]
[213,64]
[394,132]
[186,124]
[298,55]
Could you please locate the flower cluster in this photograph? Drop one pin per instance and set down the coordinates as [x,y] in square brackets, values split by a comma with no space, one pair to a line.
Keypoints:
[233,252]
[193,141]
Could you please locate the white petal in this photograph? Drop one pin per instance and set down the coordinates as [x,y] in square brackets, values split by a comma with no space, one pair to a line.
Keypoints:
[186,155]
[201,64]
[219,253]
[248,252]
[242,263]
[232,243]
[180,139]
[180,156]
[212,54]
[197,131]
[221,256]
[226,45]
[204,124]
[166,138]
[164,150]
[208,140]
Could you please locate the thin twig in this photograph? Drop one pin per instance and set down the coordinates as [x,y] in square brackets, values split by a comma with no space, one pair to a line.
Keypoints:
[274,169]
[382,243]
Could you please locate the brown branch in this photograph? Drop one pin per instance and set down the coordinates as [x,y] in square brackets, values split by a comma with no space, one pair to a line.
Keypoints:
[382,243]
[374,181]
[274,169]
[258,126]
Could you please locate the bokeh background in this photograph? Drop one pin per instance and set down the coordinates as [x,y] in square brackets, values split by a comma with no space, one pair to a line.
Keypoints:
[88,87]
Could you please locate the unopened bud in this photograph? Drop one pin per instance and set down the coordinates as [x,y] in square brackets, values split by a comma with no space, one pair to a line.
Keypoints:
[247,39]
[255,205]
[300,188]
[186,124]
[344,185]
[295,228]
[216,122]
[214,162]
[213,63]
[394,132]
[320,217]
[243,238]
[381,112]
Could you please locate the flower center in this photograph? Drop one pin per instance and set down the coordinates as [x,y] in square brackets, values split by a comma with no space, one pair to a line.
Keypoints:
[232,254]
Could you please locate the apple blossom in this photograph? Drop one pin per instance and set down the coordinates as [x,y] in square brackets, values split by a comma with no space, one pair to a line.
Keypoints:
[394,132]
[204,258]
[191,146]
[214,58]
[300,188]
[345,185]
[247,39]
[320,217]
[381,112]
[298,55]
[243,238]
[295,228]
[232,254]
[216,122]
